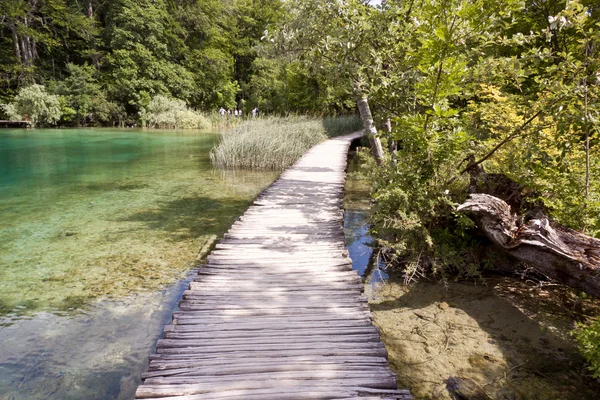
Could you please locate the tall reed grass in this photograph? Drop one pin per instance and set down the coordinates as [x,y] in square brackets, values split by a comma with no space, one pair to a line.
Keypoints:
[275,143]
[336,126]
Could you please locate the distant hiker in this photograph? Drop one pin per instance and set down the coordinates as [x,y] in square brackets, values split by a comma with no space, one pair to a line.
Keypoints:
[235,113]
[254,112]
[241,113]
[222,112]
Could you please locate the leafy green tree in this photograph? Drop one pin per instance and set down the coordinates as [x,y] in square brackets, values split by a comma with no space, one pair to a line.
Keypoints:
[83,95]
[163,112]
[146,52]
[34,104]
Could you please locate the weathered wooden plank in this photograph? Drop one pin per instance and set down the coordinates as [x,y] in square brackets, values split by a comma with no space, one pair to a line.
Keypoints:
[154,390]
[160,362]
[313,376]
[306,279]
[279,312]
[188,325]
[265,287]
[234,356]
[194,370]
[297,393]
[265,299]
[207,317]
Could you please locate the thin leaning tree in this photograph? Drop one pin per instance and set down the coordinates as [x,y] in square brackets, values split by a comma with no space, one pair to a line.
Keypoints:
[337,39]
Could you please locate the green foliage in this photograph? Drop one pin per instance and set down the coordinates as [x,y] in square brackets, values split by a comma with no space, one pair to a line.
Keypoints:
[84,100]
[267,144]
[163,112]
[587,337]
[126,52]
[34,104]
[510,86]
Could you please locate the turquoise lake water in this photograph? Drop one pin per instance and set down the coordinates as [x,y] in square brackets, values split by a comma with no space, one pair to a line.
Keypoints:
[99,230]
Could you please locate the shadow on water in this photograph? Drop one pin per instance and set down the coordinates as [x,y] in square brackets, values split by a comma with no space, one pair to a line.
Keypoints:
[188,221]
[98,353]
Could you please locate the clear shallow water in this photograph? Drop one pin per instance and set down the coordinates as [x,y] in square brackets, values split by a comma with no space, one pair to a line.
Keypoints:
[356,226]
[95,225]
[359,245]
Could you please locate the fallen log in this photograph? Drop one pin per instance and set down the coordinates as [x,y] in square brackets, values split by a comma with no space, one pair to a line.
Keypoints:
[558,252]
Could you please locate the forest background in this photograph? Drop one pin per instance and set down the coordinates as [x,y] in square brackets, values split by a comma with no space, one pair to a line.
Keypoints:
[106,60]
[505,87]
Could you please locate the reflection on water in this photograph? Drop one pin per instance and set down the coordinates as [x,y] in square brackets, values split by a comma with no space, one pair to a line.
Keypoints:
[359,244]
[94,214]
[356,225]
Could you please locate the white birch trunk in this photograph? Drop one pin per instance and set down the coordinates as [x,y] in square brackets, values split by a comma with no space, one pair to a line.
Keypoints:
[367,119]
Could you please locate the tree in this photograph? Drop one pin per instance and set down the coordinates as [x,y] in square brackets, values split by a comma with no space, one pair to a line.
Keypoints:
[34,104]
[340,38]
[84,96]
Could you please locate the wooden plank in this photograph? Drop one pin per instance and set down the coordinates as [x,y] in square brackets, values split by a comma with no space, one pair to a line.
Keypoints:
[152,390]
[194,370]
[235,357]
[299,393]
[188,325]
[317,362]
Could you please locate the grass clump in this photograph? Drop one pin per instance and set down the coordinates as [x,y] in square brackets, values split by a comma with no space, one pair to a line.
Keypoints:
[273,143]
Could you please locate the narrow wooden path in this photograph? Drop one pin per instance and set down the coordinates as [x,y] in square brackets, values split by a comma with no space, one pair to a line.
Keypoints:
[277,311]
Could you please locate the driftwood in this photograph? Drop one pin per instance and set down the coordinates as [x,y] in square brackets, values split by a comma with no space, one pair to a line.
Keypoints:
[558,252]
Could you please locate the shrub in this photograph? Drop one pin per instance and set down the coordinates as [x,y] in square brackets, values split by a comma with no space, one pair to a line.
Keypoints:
[588,339]
[166,113]
[35,104]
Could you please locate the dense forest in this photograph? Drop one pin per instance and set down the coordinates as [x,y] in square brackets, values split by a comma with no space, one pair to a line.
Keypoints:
[100,62]
[457,96]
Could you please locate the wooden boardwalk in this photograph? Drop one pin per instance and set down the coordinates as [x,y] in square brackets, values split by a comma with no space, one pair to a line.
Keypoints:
[277,311]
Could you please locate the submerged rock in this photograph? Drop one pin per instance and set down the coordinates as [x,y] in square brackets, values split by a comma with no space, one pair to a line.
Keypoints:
[465,389]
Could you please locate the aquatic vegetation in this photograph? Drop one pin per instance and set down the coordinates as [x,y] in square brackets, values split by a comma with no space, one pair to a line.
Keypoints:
[336,126]
[275,143]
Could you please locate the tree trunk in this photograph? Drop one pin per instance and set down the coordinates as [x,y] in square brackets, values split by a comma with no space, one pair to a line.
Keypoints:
[90,9]
[367,119]
[558,252]
[392,144]
[13,30]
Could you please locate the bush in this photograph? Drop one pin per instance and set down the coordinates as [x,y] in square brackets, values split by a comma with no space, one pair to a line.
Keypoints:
[33,103]
[588,339]
[267,144]
[166,113]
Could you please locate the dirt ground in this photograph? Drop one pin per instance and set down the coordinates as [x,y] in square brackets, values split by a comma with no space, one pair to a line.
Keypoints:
[505,339]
